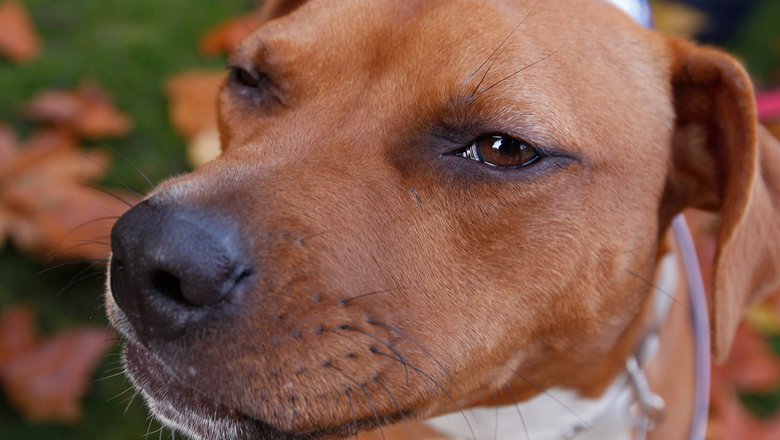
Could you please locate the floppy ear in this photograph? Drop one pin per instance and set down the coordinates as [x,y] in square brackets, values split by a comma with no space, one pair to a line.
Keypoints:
[726,163]
[276,8]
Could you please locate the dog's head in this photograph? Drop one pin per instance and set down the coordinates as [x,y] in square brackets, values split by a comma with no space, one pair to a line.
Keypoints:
[422,202]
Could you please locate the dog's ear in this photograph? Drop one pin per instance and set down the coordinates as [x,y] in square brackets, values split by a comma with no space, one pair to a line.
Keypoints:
[726,163]
[277,8]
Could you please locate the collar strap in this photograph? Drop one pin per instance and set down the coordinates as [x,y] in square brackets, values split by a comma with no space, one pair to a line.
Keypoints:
[639,10]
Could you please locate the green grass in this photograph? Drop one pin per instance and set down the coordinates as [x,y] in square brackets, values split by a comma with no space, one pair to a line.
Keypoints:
[130,47]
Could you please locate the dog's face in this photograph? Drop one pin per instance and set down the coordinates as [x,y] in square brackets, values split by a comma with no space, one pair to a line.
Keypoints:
[419,202]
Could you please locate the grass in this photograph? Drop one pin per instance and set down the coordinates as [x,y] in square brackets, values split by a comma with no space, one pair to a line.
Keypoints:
[130,47]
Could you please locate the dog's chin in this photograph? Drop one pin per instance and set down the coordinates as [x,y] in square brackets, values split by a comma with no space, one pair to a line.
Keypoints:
[190,412]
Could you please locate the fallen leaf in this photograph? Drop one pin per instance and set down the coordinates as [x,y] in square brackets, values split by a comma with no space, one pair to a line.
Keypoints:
[676,18]
[729,420]
[46,206]
[19,40]
[203,148]
[193,101]
[226,37]
[752,365]
[18,334]
[47,384]
[87,112]
[193,111]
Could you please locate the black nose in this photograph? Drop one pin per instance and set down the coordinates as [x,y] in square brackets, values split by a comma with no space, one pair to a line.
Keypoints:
[174,267]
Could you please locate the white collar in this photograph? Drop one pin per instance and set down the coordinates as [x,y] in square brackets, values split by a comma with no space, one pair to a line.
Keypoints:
[639,10]
[560,414]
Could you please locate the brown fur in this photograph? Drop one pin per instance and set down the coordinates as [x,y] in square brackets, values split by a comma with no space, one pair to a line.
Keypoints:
[376,247]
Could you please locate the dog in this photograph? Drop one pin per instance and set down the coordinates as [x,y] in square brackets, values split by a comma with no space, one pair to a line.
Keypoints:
[432,207]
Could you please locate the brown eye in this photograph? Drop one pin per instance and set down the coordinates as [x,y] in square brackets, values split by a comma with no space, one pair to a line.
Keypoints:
[501,151]
[245,77]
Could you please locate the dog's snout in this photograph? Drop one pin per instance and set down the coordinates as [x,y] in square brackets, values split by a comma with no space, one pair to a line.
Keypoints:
[174,266]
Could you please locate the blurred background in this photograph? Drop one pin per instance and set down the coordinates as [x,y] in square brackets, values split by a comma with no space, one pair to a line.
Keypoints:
[102,99]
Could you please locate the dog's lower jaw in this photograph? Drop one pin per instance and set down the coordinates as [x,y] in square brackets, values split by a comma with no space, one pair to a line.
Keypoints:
[192,413]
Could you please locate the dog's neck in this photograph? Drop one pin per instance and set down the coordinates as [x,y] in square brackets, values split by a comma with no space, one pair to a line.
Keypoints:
[564,414]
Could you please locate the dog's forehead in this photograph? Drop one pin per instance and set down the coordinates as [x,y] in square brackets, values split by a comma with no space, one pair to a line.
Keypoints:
[532,57]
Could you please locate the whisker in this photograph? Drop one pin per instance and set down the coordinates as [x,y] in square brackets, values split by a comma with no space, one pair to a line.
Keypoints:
[120,181]
[512,396]
[81,244]
[671,296]
[111,219]
[130,388]
[108,193]
[437,385]
[524,68]
[385,343]
[111,376]
[495,428]
[79,277]
[93,262]
[422,348]
[136,168]
[354,413]
[502,48]
[149,427]
[588,425]
[398,406]
[365,295]
[371,405]
[362,387]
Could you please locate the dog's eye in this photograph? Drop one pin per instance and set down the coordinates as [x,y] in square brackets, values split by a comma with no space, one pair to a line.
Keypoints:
[245,78]
[501,151]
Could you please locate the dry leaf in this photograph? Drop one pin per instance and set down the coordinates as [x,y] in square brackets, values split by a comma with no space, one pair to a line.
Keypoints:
[752,365]
[87,112]
[203,148]
[226,37]
[676,18]
[729,420]
[46,207]
[193,110]
[18,334]
[19,40]
[47,384]
[193,101]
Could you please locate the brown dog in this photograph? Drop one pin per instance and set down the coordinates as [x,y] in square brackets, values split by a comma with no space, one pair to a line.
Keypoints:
[427,206]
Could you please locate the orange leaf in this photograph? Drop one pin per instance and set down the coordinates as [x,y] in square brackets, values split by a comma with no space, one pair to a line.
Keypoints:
[17,334]
[19,40]
[193,101]
[48,383]
[193,109]
[752,366]
[730,421]
[87,111]
[45,205]
[227,36]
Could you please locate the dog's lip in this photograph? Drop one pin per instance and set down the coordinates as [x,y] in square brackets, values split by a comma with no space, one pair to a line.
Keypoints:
[191,411]
[174,402]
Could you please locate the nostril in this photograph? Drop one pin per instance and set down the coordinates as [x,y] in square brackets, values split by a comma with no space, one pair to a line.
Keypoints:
[174,267]
[169,285]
